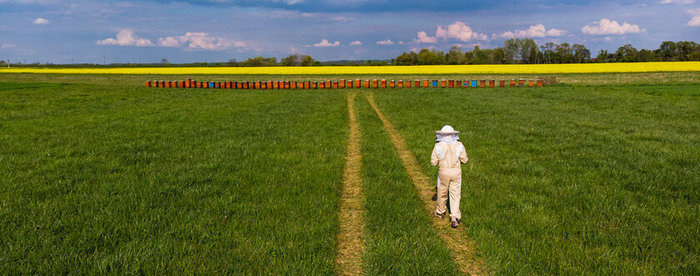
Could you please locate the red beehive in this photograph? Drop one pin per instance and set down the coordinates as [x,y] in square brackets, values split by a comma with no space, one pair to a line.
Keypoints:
[399,84]
[375,83]
[349,84]
[512,83]
[451,83]
[521,83]
[148,83]
[501,83]
[482,84]
[366,83]
[392,84]
[335,84]
[539,82]
[492,83]
[458,84]
[383,82]
[531,83]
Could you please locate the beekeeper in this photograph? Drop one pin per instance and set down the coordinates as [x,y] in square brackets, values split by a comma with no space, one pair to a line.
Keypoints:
[449,153]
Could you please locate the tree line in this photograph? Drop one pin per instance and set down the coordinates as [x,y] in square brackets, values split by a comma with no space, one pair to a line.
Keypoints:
[526,51]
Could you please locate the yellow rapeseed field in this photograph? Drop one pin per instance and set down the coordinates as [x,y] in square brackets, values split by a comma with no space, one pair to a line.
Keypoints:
[377,70]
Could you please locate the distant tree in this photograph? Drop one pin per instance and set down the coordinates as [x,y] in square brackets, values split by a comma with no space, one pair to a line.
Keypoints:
[604,56]
[427,57]
[581,53]
[455,56]
[406,59]
[645,55]
[498,56]
[291,60]
[626,53]
[511,50]
[163,61]
[565,53]
[232,62]
[668,51]
[307,60]
[686,49]
[548,52]
[529,51]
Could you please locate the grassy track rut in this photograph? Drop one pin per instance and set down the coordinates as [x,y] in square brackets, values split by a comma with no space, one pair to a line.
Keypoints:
[351,218]
[463,249]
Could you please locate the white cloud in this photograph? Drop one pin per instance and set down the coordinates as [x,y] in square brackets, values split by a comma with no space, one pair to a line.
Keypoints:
[385,42]
[611,27]
[7,45]
[694,17]
[459,31]
[355,43]
[400,42]
[199,41]
[325,43]
[41,21]
[126,37]
[677,2]
[534,31]
[425,38]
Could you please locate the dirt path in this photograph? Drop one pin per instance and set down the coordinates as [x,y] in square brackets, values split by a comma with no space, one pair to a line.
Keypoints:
[351,215]
[461,246]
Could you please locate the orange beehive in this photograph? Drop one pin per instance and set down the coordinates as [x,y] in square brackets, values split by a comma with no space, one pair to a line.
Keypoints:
[383,83]
[451,83]
[375,83]
[426,84]
[417,83]
[492,83]
[335,84]
[392,84]
[531,83]
[348,84]
[366,83]
[408,84]
[539,82]
[443,83]
[357,83]
[458,84]
[275,85]
[512,83]
[148,83]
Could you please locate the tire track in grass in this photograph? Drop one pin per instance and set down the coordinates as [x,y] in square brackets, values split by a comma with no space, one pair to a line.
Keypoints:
[463,248]
[351,217]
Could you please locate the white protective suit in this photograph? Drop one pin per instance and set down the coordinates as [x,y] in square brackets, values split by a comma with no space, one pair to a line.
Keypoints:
[449,153]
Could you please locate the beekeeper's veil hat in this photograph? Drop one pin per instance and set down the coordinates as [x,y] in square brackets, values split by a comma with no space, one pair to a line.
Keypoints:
[447,135]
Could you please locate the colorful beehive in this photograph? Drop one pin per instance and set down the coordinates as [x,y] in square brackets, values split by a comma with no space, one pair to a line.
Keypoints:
[458,84]
[521,83]
[417,83]
[512,83]
[451,83]
[482,84]
[539,82]
[501,83]
[474,84]
[492,83]
[434,84]
[531,83]
[399,84]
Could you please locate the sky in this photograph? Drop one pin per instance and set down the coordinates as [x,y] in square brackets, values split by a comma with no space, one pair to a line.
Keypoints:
[147,31]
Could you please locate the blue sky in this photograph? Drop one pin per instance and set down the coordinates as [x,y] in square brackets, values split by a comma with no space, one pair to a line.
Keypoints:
[95,31]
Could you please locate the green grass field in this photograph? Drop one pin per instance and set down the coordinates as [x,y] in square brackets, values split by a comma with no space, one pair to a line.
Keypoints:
[596,175]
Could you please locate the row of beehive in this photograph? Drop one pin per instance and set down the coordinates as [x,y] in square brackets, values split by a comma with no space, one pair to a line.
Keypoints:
[357,83]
